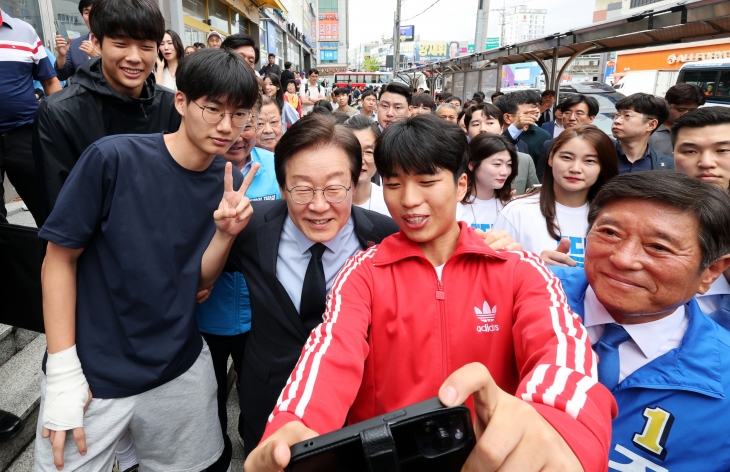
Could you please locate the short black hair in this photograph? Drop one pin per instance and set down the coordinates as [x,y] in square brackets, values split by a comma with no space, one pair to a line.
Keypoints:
[454,98]
[487,109]
[271,54]
[367,92]
[287,65]
[511,102]
[443,96]
[478,97]
[237,40]
[651,106]
[340,91]
[701,117]
[424,100]
[199,46]
[708,203]
[140,20]
[421,145]
[685,94]
[219,75]
[548,93]
[577,98]
[313,71]
[397,88]
[314,131]
[85,4]
[496,95]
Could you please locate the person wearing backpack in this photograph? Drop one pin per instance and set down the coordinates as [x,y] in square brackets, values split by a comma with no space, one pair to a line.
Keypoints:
[311,91]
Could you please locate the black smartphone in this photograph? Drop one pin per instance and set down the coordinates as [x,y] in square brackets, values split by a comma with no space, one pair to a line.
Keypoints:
[428,437]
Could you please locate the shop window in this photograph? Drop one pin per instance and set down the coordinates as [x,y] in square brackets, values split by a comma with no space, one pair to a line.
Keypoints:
[66,14]
[193,35]
[195,9]
[218,15]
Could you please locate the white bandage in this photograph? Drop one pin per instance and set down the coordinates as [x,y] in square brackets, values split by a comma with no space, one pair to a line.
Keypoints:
[66,391]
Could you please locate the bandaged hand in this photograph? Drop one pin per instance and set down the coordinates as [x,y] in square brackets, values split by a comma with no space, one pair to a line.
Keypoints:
[67,391]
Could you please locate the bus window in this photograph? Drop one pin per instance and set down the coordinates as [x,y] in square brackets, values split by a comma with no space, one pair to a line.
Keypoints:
[704,79]
[723,85]
[368,79]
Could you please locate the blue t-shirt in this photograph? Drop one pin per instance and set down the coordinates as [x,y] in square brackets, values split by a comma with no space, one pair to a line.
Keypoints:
[144,222]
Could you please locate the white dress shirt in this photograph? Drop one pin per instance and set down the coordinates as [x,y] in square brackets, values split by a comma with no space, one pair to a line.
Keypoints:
[557,130]
[648,340]
[711,300]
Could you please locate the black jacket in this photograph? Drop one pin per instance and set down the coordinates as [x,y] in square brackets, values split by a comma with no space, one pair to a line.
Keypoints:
[286,76]
[270,69]
[277,333]
[69,121]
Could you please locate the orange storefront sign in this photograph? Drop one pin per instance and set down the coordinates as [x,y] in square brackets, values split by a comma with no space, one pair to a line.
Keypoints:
[669,59]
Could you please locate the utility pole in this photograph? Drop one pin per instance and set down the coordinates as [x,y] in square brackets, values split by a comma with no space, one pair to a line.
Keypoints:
[480,35]
[396,41]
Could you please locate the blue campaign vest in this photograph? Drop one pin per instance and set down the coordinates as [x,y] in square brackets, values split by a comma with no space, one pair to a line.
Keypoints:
[227,312]
[674,412]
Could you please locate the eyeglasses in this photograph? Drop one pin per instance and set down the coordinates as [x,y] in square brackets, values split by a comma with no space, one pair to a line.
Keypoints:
[214,115]
[305,195]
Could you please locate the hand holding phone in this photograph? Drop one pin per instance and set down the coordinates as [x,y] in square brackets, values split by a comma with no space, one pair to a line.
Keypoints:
[274,454]
[511,434]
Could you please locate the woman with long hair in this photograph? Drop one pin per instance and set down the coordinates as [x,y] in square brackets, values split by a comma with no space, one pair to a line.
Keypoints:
[553,222]
[169,56]
[272,88]
[492,168]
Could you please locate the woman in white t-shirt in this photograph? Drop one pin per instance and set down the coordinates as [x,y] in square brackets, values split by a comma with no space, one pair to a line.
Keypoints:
[169,55]
[553,222]
[367,195]
[491,170]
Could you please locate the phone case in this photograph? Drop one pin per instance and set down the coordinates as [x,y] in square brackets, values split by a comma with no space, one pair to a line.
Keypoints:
[414,439]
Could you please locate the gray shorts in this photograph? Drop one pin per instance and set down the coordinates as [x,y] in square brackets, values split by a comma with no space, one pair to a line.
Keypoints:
[174,427]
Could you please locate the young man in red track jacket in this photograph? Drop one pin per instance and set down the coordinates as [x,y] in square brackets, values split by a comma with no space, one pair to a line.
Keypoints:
[427,310]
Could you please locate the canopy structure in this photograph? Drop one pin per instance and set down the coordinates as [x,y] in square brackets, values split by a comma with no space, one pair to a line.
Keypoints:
[680,22]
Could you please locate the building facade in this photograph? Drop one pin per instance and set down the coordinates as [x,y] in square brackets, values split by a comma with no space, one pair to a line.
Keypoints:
[522,24]
[284,27]
[332,36]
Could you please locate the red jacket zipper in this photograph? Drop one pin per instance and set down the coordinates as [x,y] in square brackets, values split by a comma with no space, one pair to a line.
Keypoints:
[441,297]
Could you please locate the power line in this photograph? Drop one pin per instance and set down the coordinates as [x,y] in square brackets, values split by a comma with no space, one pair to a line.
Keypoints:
[424,11]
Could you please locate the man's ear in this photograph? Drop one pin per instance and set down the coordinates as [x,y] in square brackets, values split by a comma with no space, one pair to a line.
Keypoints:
[592,118]
[711,273]
[507,119]
[653,124]
[95,41]
[462,184]
[180,102]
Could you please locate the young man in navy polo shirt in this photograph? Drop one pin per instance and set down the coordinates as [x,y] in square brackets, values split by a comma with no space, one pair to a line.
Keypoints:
[23,60]
[123,265]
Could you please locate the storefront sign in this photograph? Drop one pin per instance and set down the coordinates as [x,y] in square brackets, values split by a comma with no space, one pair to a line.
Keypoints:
[331,70]
[699,56]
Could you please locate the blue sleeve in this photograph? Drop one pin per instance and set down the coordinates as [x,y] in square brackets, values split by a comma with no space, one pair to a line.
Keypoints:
[83,202]
[43,70]
[68,69]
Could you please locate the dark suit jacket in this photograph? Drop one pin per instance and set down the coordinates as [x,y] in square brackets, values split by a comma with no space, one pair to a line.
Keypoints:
[277,333]
[549,127]
[74,58]
[545,118]
[540,167]
[520,146]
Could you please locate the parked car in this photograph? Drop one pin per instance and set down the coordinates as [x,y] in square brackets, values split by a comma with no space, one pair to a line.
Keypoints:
[604,93]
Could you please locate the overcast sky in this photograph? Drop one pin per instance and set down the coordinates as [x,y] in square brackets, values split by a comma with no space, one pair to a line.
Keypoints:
[455,20]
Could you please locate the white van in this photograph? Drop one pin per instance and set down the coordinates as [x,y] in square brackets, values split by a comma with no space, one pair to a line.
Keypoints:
[712,76]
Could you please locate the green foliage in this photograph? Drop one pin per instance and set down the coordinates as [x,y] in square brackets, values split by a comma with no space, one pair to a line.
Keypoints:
[371,64]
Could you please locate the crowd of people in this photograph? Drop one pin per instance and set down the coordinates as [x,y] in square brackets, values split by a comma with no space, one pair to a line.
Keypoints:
[354,253]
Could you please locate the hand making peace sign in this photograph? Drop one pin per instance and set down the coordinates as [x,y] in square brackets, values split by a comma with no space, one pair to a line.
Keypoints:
[235,209]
